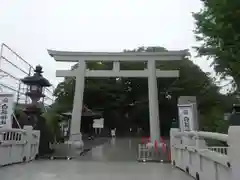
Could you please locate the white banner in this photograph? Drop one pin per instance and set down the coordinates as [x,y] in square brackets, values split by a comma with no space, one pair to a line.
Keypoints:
[186,117]
[6,111]
[98,123]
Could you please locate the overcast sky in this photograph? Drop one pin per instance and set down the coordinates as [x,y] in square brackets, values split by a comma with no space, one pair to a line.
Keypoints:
[30,27]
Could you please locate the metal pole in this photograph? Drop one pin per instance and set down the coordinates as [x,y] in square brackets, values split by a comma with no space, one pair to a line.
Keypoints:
[15,118]
[29,74]
[18,92]
[16,54]
[1,51]
[43,91]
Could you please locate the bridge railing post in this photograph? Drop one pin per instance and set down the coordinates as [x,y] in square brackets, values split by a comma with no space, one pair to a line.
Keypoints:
[28,139]
[174,141]
[35,144]
[234,151]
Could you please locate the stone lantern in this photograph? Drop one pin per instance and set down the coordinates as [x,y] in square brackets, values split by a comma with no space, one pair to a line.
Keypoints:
[36,84]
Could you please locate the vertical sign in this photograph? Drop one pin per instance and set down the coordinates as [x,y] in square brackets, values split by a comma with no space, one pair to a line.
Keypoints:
[6,110]
[186,117]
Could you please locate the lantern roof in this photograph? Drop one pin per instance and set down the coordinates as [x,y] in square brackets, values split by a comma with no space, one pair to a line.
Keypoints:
[37,78]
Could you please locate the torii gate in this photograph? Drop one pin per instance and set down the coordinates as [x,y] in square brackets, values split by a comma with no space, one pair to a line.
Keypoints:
[116,57]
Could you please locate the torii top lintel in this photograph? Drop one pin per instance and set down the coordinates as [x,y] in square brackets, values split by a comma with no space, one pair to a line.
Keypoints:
[70,56]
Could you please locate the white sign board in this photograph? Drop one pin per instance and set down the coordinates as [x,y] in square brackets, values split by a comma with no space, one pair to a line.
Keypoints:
[186,117]
[98,123]
[6,111]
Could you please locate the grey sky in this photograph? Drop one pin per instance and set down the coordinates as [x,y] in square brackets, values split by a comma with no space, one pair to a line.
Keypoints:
[32,26]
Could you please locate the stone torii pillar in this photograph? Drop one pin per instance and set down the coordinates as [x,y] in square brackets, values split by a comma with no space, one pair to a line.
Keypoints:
[153,102]
[75,134]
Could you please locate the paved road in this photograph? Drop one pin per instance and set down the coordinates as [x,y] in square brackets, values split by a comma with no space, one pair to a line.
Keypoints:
[114,150]
[62,150]
[113,160]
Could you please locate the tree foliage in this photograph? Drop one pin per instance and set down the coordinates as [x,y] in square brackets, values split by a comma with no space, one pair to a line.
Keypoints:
[218,31]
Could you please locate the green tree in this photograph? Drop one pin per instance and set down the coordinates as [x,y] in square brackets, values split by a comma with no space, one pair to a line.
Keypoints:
[218,31]
[52,122]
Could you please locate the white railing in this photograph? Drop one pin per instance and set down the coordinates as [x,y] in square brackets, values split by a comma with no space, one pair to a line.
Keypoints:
[221,150]
[190,152]
[18,145]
